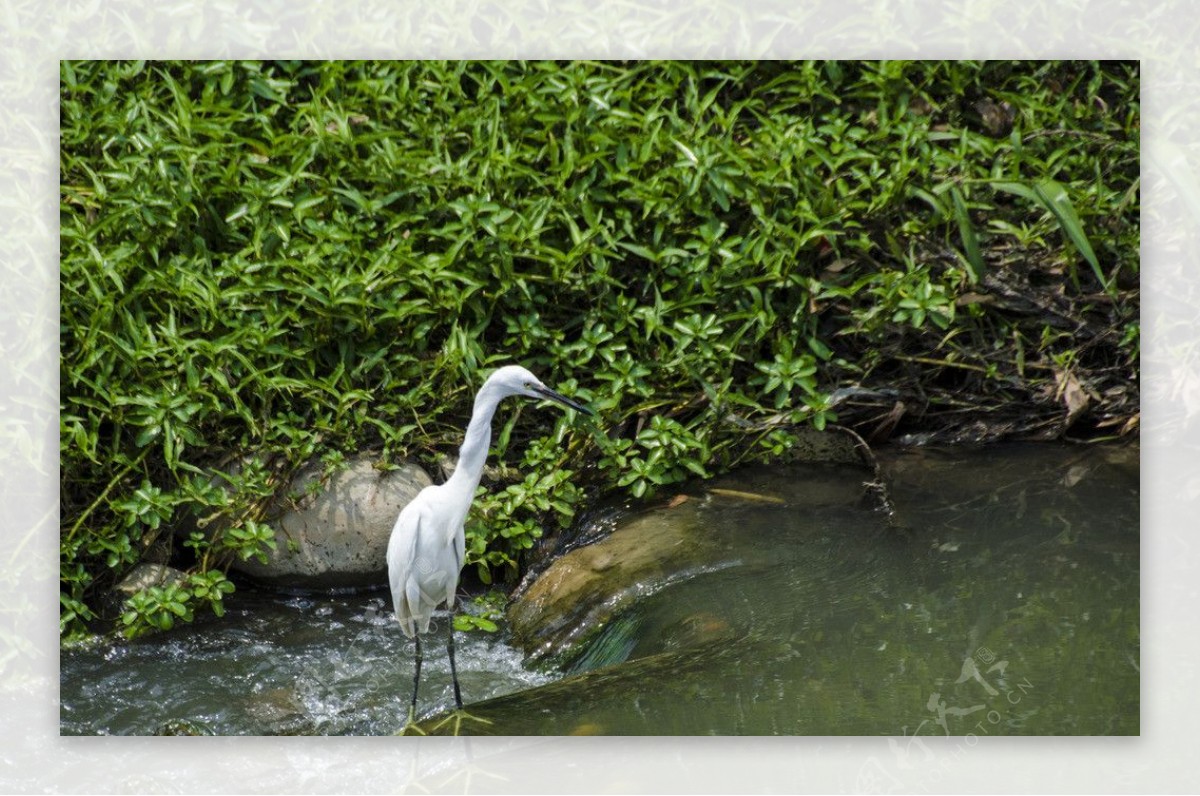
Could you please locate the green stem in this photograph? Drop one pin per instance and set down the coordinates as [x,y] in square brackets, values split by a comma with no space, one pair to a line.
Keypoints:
[940,362]
[100,499]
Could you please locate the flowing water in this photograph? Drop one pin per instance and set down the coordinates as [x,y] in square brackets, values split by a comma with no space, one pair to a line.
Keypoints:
[278,665]
[1003,598]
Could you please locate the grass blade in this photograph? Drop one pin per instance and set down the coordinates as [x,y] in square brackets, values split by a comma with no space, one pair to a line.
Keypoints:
[1054,197]
[969,239]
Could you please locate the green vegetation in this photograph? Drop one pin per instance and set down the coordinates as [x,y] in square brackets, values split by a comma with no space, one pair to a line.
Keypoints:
[271,262]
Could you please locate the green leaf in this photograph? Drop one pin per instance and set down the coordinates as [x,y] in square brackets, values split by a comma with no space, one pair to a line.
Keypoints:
[1018,189]
[1054,197]
[970,240]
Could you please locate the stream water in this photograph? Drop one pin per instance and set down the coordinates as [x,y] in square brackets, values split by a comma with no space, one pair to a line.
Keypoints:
[1003,598]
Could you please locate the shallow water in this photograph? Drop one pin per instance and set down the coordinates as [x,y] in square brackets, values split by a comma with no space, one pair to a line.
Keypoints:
[1003,599]
[279,665]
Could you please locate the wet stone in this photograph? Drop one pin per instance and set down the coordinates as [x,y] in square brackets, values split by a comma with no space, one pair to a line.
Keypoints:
[336,536]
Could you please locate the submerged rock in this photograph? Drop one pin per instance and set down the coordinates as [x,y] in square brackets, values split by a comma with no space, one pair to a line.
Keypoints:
[336,535]
[586,587]
[580,593]
[183,727]
[279,711]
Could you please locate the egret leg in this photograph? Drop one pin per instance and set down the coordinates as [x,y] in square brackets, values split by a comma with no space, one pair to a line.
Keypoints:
[453,669]
[457,716]
[416,679]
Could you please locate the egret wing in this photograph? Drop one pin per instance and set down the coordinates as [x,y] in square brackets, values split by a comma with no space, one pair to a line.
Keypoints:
[402,567]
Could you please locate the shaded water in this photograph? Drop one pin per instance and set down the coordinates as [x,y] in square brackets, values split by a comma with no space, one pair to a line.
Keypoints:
[1004,600]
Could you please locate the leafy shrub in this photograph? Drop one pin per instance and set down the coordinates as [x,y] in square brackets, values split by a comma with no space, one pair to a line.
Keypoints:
[268,262]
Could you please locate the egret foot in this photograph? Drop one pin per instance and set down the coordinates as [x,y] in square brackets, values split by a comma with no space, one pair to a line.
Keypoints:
[456,718]
[410,725]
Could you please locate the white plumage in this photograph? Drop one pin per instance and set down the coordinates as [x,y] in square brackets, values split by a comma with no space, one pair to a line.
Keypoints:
[425,555]
[426,549]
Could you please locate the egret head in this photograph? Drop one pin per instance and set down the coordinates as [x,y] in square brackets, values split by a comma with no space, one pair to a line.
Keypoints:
[516,380]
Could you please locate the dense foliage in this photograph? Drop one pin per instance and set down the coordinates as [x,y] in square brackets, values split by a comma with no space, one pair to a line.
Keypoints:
[271,262]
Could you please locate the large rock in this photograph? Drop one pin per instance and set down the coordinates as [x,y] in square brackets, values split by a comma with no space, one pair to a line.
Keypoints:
[336,536]
[583,589]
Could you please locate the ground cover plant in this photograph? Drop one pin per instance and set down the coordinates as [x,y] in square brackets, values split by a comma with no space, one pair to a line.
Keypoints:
[274,262]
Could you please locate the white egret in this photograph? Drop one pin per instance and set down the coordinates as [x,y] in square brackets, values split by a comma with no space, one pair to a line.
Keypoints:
[425,552]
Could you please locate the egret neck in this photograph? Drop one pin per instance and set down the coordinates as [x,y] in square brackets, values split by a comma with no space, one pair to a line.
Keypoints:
[473,453]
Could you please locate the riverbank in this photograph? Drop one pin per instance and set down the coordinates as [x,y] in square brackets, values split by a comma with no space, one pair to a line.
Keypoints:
[771,601]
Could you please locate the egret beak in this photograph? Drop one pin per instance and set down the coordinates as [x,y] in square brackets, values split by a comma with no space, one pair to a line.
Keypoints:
[551,395]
